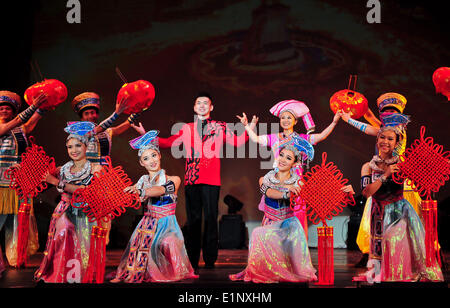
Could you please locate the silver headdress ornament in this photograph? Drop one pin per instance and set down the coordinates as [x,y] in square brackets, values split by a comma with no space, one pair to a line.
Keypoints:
[301,148]
[79,130]
[396,129]
[147,141]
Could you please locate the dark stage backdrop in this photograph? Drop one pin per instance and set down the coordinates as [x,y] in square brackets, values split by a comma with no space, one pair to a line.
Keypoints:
[248,55]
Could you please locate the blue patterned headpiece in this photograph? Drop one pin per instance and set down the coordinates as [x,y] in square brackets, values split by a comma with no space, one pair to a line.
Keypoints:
[301,148]
[394,119]
[10,98]
[147,141]
[79,130]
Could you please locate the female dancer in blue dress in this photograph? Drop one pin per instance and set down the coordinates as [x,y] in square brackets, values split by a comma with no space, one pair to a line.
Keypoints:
[156,251]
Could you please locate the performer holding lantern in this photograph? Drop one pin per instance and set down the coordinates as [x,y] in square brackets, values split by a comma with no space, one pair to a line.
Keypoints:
[13,142]
[132,98]
[397,235]
[70,230]
[156,251]
[289,111]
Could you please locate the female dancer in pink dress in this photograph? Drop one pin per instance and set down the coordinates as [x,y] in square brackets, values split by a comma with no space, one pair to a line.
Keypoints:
[156,251]
[66,255]
[278,249]
[289,111]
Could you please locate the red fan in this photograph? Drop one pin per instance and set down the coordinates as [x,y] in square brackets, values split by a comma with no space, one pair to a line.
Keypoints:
[426,167]
[55,89]
[28,179]
[322,194]
[139,94]
[103,200]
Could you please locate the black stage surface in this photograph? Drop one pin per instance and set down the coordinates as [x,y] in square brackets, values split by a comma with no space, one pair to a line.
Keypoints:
[229,262]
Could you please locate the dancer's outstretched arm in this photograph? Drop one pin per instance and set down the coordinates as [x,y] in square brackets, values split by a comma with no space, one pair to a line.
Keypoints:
[365,128]
[119,129]
[171,186]
[249,128]
[174,140]
[28,116]
[316,138]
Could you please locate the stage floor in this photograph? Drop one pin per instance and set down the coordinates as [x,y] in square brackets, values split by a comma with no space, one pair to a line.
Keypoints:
[229,262]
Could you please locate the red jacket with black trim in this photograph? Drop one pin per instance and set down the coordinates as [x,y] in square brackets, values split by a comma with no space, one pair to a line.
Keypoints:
[203,152]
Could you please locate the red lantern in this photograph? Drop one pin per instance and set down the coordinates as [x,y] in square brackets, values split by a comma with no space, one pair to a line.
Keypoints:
[349,101]
[55,89]
[441,80]
[139,94]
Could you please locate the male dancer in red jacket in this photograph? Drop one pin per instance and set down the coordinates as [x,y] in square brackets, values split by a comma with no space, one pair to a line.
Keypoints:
[203,140]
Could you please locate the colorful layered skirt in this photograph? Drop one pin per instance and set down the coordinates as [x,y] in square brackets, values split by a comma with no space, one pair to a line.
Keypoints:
[402,254]
[278,249]
[66,255]
[156,251]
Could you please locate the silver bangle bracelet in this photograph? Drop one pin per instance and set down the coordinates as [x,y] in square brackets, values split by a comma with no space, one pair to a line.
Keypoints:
[60,186]
[142,193]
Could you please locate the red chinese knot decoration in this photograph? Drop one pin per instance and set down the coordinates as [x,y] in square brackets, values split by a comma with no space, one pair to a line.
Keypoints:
[56,93]
[429,213]
[441,81]
[321,193]
[104,199]
[325,255]
[97,256]
[424,165]
[28,178]
[139,94]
